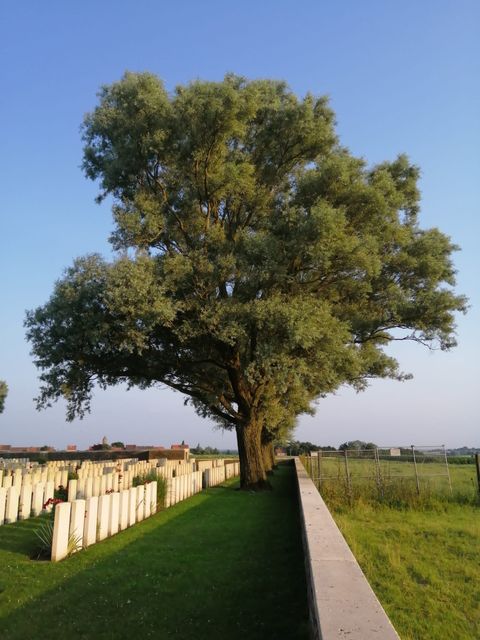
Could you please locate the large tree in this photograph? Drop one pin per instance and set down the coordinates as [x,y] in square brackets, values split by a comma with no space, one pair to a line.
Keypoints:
[259,264]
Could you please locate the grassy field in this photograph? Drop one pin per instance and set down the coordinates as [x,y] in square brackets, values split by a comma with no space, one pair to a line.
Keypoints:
[420,552]
[424,566]
[223,564]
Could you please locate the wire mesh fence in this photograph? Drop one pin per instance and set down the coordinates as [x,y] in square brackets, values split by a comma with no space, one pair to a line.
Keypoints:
[392,474]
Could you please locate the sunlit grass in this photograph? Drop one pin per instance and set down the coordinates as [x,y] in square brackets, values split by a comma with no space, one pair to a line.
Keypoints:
[223,564]
[424,566]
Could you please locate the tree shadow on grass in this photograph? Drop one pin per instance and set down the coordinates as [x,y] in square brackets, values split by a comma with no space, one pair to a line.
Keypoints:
[228,566]
[19,537]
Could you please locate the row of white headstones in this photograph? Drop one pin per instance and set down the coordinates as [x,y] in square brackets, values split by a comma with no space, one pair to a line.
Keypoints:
[18,504]
[24,492]
[26,497]
[58,471]
[102,476]
[83,522]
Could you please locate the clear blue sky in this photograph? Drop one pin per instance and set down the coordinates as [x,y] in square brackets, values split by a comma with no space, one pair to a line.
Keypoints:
[401,76]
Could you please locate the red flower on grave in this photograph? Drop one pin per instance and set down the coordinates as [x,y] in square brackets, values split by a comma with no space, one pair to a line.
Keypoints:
[52,502]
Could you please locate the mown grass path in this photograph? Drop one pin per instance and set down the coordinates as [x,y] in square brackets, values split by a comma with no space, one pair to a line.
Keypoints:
[223,564]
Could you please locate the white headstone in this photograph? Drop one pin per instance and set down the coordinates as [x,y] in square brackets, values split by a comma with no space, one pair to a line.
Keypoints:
[77,523]
[88,490]
[72,490]
[37,498]
[114,520]
[90,528]
[132,506]
[11,509]
[96,486]
[103,516]
[81,488]
[148,505]
[48,493]
[64,478]
[17,479]
[168,493]
[124,496]
[3,504]
[140,502]
[61,528]
[153,497]
[58,479]
[25,505]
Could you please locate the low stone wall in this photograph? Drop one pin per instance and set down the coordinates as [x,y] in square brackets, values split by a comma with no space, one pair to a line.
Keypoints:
[48,456]
[341,601]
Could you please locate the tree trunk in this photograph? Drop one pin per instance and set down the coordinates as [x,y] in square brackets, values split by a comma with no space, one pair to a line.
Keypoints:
[271,453]
[268,456]
[267,463]
[252,471]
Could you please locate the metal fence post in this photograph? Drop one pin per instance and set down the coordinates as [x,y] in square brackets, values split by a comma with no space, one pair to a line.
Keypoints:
[416,470]
[448,470]
[347,472]
[319,453]
[477,464]
[377,466]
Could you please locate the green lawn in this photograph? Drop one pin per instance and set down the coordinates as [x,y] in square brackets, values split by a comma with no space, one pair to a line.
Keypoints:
[223,564]
[424,566]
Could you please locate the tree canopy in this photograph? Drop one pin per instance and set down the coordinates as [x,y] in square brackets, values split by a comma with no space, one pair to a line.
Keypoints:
[259,264]
[356,445]
[3,394]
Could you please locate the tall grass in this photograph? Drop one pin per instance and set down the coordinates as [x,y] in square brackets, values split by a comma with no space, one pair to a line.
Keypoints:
[151,476]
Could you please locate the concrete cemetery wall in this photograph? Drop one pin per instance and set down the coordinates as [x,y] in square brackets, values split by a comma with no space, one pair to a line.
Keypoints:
[341,601]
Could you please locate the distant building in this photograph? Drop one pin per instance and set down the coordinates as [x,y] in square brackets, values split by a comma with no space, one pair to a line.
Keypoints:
[185,447]
[9,448]
[142,447]
[395,452]
[71,447]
